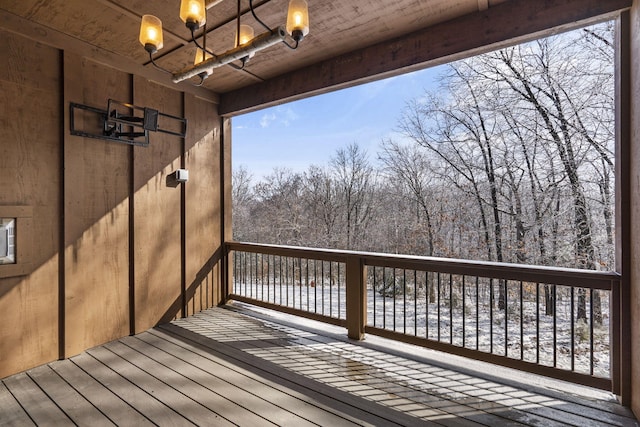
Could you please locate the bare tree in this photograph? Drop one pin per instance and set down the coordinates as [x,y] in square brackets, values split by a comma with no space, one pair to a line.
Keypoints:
[465,125]
[280,211]
[410,166]
[556,95]
[427,122]
[323,207]
[355,179]
[241,199]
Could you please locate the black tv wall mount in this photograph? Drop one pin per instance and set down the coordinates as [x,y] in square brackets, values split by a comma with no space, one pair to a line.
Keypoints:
[123,122]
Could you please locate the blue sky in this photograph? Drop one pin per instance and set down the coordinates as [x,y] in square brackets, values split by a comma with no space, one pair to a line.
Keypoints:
[309,131]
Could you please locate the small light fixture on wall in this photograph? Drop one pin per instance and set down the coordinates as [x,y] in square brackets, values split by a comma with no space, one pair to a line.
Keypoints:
[177,177]
[194,14]
[182,175]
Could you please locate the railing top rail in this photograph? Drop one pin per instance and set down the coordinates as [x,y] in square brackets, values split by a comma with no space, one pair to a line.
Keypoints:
[508,271]
[291,251]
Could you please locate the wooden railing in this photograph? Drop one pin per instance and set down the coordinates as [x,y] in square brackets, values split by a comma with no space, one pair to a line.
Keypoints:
[558,322]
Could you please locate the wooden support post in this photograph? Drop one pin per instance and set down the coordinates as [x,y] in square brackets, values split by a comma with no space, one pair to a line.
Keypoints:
[224,287]
[621,364]
[356,297]
[227,274]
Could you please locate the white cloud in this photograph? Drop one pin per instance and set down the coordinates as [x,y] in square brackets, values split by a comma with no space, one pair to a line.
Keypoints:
[280,115]
[267,119]
[288,116]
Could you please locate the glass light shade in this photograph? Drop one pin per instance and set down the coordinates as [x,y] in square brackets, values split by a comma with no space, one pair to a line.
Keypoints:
[193,11]
[151,33]
[201,56]
[246,35]
[298,17]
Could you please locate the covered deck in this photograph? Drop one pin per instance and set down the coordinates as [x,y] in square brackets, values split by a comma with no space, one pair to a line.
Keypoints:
[235,365]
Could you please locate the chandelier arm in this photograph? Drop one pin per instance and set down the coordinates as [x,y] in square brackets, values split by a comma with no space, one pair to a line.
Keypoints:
[202,48]
[292,47]
[203,77]
[253,12]
[237,67]
[157,66]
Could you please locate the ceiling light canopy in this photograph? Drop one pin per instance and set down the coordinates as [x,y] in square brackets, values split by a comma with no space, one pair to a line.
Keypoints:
[194,14]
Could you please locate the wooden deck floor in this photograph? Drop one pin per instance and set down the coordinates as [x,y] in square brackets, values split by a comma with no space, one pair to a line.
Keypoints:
[224,367]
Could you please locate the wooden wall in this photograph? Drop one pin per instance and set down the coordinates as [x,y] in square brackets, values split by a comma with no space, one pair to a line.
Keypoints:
[117,248]
[157,213]
[30,175]
[202,159]
[96,216]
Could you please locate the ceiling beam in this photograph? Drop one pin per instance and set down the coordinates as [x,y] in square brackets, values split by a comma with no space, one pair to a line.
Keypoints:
[507,23]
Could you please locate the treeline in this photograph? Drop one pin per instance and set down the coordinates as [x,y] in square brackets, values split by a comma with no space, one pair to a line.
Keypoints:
[509,159]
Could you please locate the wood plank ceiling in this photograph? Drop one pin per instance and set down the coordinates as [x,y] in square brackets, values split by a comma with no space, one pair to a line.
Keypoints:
[337,27]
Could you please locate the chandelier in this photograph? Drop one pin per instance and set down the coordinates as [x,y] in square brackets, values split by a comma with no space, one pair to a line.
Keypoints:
[194,14]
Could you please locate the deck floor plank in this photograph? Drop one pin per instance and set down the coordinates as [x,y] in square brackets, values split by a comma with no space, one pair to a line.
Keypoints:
[347,404]
[283,408]
[75,405]
[189,382]
[304,355]
[116,409]
[590,412]
[448,398]
[11,413]
[129,391]
[235,366]
[445,381]
[41,409]
[585,410]
[161,388]
[306,361]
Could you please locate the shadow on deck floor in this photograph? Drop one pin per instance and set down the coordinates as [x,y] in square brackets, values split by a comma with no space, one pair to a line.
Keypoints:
[229,366]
